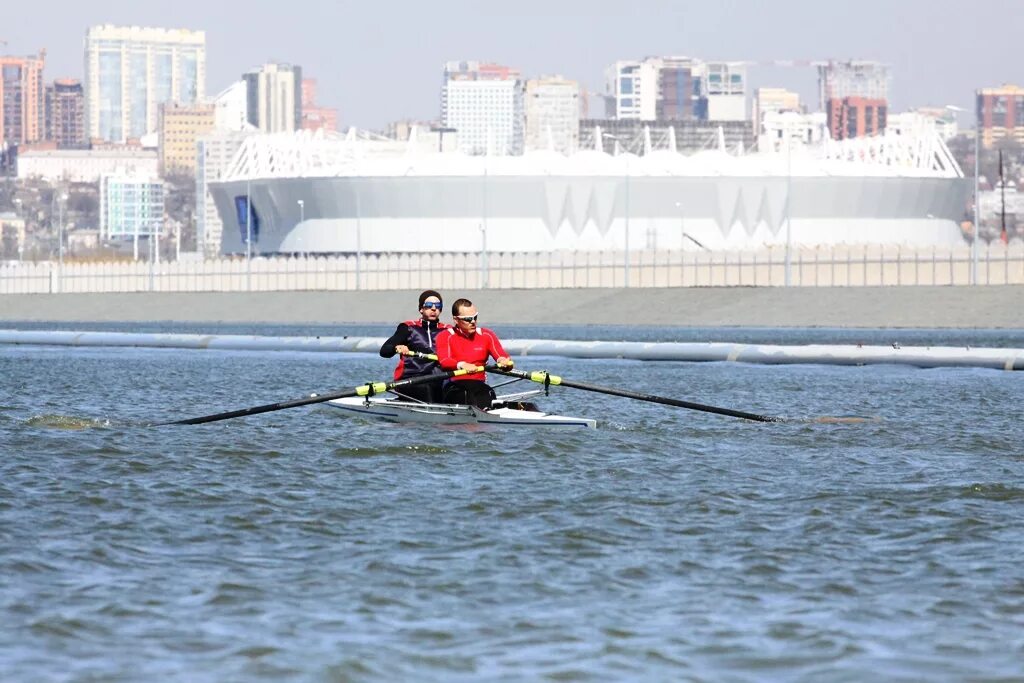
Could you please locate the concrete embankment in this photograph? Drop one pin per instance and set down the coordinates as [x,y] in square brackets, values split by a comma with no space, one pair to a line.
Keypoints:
[867,307]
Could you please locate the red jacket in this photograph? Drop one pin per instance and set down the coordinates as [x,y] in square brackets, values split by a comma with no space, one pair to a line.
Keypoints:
[454,347]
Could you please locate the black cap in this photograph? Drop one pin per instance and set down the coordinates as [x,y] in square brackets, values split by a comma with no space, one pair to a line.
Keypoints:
[427,294]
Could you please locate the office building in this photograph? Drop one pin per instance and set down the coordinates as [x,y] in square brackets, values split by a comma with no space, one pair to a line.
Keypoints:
[855,96]
[315,117]
[484,104]
[678,89]
[274,98]
[231,108]
[1000,113]
[552,114]
[854,117]
[131,71]
[65,114]
[796,128]
[215,150]
[22,100]
[131,205]
[631,89]
[84,165]
[773,100]
[181,126]
[723,92]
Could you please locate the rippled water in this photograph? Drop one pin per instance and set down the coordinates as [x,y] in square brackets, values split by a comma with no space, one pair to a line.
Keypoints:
[668,544]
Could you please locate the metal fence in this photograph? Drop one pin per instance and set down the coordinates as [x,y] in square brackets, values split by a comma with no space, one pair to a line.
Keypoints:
[997,264]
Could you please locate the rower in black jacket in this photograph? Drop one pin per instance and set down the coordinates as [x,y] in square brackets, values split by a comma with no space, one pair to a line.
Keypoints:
[418,335]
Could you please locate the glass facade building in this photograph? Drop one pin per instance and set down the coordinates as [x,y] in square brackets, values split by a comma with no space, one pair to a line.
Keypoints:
[131,71]
[130,205]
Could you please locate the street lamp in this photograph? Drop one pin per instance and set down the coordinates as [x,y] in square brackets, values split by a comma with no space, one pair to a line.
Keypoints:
[626,258]
[789,224]
[976,232]
[60,228]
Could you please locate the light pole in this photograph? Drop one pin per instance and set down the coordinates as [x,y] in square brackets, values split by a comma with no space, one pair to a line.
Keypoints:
[976,232]
[788,223]
[21,235]
[60,242]
[302,219]
[359,242]
[483,233]
[977,187]
[625,267]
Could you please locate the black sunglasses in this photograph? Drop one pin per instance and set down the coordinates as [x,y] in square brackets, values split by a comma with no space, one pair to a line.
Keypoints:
[432,304]
[467,318]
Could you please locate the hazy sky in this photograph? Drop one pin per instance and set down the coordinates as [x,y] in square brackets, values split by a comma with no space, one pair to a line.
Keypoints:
[381,61]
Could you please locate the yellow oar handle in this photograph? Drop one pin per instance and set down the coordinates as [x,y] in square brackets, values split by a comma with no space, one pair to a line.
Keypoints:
[382,387]
[420,354]
[432,356]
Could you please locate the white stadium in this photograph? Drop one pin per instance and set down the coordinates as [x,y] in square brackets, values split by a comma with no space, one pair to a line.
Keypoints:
[316,193]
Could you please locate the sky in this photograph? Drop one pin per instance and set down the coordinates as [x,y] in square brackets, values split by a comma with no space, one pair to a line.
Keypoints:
[382,61]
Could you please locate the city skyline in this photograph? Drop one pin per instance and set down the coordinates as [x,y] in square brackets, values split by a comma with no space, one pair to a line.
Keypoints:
[354,51]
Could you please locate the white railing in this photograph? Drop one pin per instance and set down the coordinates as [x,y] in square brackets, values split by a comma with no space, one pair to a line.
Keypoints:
[823,267]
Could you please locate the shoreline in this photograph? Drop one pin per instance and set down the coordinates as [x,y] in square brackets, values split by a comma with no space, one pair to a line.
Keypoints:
[983,307]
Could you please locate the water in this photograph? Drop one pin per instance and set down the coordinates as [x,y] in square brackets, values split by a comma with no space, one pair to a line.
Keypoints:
[668,544]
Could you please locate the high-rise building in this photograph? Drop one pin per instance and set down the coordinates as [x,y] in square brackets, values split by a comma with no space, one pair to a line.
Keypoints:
[631,89]
[854,94]
[181,125]
[274,97]
[854,117]
[130,71]
[1000,113]
[130,205]
[552,113]
[214,154]
[315,117]
[474,71]
[484,104]
[854,78]
[231,108]
[22,100]
[678,89]
[723,92]
[65,114]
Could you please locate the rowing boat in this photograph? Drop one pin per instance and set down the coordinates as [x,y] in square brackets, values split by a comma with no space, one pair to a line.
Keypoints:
[506,410]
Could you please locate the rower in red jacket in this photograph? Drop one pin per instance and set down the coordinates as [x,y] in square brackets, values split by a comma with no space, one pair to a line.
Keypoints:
[467,346]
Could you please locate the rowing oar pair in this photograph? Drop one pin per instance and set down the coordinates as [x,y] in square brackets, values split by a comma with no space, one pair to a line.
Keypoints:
[369,389]
[545,378]
[548,379]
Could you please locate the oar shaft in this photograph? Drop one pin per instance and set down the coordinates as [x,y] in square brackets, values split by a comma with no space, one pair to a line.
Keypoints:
[362,390]
[545,378]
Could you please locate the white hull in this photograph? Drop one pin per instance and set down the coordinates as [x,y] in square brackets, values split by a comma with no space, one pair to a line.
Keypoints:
[394,410]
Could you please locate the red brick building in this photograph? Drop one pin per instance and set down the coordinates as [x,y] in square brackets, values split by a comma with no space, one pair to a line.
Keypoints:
[854,117]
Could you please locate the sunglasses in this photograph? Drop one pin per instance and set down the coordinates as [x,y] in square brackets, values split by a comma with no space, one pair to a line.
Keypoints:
[467,318]
[432,304]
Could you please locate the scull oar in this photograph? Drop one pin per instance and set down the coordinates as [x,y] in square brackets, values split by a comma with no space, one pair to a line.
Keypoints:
[369,389]
[547,379]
